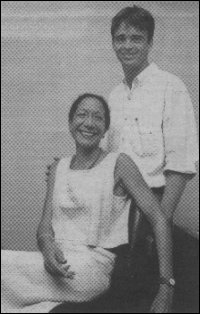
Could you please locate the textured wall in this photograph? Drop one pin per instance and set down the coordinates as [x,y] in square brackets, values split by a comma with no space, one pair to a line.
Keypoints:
[51,52]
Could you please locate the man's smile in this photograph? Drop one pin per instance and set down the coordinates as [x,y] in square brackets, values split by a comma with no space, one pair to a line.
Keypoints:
[128,56]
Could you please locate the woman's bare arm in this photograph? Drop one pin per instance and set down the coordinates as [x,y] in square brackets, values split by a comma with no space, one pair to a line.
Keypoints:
[128,173]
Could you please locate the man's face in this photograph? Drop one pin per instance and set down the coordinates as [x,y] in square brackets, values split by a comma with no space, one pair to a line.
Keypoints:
[131,46]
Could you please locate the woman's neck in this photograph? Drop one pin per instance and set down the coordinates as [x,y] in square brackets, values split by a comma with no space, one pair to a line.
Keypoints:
[86,158]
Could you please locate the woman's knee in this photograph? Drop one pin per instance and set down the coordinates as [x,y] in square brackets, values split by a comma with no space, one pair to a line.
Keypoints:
[94,289]
[90,282]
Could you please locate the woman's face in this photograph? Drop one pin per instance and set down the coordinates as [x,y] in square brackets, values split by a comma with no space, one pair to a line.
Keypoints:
[88,124]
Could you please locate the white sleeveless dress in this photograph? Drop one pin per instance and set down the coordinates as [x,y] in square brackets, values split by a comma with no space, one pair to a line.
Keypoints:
[87,218]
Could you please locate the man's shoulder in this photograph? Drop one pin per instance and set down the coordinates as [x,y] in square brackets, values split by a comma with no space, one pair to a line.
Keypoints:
[170,80]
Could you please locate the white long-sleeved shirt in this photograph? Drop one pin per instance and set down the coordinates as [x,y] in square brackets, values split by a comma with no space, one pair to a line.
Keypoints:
[154,124]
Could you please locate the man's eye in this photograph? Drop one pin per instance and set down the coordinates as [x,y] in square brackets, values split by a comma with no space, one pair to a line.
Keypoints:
[136,39]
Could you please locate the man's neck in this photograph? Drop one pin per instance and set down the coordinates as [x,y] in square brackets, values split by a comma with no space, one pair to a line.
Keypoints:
[132,73]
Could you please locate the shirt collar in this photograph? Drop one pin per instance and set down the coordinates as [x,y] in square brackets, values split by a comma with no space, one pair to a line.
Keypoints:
[145,74]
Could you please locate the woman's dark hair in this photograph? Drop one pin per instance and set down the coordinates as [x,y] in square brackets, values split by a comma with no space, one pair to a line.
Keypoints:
[134,16]
[75,104]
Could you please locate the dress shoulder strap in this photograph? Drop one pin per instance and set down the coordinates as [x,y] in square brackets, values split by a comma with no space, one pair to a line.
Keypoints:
[112,159]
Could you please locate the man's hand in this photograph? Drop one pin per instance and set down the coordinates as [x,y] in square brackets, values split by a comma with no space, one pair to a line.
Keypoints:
[56,161]
[55,262]
[163,300]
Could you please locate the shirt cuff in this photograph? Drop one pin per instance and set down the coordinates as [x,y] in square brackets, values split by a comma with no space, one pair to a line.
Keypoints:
[187,168]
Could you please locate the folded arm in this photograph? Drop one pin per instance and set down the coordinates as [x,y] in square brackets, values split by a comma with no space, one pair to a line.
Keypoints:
[180,143]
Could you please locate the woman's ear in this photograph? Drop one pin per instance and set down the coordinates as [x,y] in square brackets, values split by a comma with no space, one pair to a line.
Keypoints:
[70,126]
[150,45]
[104,134]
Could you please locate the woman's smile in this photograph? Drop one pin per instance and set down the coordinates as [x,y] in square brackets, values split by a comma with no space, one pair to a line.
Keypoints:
[87,134]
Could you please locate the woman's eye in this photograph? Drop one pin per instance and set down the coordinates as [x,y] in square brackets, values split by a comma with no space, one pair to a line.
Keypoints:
[81,114]
[120,38]
[98,118]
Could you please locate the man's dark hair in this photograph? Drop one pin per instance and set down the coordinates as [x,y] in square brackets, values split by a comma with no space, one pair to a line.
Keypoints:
[134,16]
[76,103]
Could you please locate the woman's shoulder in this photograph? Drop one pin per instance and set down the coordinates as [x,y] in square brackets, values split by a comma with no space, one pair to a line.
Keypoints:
[110,158]
[118,159]
[124,162]
[118,163]
[123,159]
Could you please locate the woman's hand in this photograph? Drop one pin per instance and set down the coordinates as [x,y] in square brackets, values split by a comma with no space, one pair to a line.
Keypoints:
[55,262]
[163,300]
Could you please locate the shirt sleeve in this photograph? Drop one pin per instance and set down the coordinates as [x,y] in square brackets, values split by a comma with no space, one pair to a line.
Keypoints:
[179,128]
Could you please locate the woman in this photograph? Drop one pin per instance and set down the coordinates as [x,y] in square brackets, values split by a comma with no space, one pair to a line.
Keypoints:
[85,216]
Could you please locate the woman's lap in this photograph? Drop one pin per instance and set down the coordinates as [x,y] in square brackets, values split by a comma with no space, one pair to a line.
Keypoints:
[25,282]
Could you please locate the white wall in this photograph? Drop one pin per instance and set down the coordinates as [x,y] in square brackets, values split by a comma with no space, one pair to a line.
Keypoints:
[51,52]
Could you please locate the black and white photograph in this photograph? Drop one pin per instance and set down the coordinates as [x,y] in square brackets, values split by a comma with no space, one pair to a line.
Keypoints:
[99,157]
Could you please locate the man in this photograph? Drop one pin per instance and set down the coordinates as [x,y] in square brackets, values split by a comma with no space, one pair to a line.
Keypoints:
[152,116]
